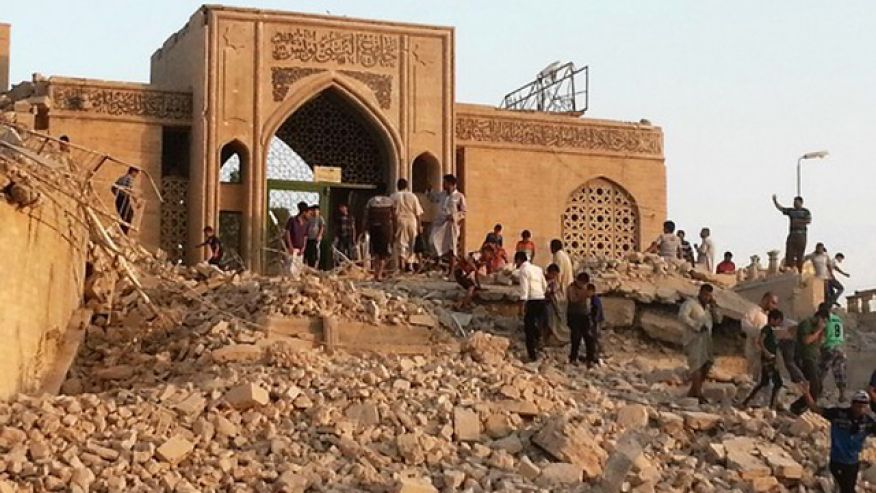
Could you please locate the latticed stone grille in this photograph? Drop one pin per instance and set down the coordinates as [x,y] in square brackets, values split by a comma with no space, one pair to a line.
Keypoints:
[173,216]
[601,219]
[327,131]
[230,225]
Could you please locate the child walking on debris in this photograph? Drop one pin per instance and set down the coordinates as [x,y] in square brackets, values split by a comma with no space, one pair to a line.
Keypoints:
[769,370]
[214,244]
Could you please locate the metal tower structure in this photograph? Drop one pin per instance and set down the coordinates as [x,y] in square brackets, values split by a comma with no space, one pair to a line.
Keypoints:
[559,88]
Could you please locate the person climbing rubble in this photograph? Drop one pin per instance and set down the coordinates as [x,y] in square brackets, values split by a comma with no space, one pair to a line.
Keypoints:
[849,429]
[809,337]
[123,190]
[699,316]
[833,358]
[214,244]
[769,348]
[752,324]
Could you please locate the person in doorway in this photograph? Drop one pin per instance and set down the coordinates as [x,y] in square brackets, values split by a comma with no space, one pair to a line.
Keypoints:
[834,287]
[429,200]
[578,314]
[667,245]
[315,233]
[833,357]
[687,253]
[526,245]
[123,190]
[699,316]
[407,213]
[380,225]
[295,231]
[345,238]
[800,218]
[214,244]
[810,334]
[849,429]
[726,266]
[448,222]
[752,324]
[532,306]
[706,251]
[769,349]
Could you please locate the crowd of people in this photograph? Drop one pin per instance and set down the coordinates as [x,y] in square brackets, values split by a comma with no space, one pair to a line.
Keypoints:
[556,299]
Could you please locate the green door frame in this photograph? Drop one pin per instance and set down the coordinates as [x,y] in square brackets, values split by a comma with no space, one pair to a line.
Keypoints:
[322,188]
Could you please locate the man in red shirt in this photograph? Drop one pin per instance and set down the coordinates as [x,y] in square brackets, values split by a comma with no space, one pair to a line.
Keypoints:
[727,266]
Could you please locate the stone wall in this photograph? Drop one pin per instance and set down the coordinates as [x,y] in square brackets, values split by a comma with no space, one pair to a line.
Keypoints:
[798,298]
[522,170]
[41,288]
[5,34]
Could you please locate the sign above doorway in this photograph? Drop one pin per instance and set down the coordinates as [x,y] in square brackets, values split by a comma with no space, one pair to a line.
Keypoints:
[327,174]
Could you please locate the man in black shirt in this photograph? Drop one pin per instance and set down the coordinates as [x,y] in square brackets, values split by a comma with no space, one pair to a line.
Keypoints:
[212,241]
[795,246]
[769,347]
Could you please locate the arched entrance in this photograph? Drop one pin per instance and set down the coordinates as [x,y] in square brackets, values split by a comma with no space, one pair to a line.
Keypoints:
[329,133]
[601,219]
[425,173]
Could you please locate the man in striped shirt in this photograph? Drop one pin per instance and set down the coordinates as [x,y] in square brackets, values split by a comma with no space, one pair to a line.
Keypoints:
[123,190]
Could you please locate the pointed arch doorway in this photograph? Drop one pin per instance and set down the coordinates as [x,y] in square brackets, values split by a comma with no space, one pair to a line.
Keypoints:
[329,133]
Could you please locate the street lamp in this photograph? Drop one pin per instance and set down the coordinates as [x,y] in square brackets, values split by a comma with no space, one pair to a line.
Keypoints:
[808,155]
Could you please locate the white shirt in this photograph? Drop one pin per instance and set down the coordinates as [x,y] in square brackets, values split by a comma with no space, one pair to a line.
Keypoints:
[561,258]
[533,284]
[706,254]
[695,316]
[754,320]
[452,207]
[820,262]
[407,205]
[669,245]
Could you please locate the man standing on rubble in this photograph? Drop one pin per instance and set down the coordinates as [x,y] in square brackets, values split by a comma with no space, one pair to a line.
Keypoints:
[810,334]
[123,189]
[752,323]
[407,213]
[699,316]
[667,245]
[380,224]
[533,304]
[833,357]
[795,246]
[451,214]
[849,429]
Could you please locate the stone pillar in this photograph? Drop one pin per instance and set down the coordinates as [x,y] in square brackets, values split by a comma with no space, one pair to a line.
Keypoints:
[773,267]
[5,38]
[865,303]
[853,305]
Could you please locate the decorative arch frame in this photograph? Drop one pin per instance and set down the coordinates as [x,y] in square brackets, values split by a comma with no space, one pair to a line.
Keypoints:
[601,218]
[355,93]
[230,148]
[433,171]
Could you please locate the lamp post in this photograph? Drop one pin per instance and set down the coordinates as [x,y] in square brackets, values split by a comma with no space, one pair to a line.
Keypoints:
[808,155]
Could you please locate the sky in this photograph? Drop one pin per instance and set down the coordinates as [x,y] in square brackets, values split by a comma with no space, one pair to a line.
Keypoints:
[741,89]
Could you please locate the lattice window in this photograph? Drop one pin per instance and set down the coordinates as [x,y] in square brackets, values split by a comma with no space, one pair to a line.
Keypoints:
[230,225]
[601,219]
[173,216]
[328,131]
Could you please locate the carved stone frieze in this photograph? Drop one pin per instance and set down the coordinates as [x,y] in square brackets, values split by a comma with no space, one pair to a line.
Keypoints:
[381,85]
[283,77]
[587,137]
[141,103]
[342,47]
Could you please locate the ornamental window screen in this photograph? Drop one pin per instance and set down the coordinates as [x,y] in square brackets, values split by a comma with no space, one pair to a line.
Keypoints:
[601,219]
[329,131]
[173,216]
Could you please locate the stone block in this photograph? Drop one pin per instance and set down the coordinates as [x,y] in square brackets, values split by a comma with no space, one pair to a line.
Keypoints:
[719,392]
[671,423]
[193,405]
[466,425]
[696,420]
[571,443]
[619,463]
[782,464]
[365,414]
[801,427]
[741,458]
[247,396]
[238,353]
[175,450]
[765,484]
[498,426]
[619,312]
[560,473]
[633,416]
[662,326]
[523,408]
[511,444]
[423,320]
[527,469]
[414,485]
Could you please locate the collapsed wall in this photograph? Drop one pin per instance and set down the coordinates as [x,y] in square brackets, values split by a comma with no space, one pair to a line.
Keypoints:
[43,258]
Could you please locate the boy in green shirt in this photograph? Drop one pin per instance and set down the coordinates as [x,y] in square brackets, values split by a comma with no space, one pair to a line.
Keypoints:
[769,346]
[832,355]
[810,337]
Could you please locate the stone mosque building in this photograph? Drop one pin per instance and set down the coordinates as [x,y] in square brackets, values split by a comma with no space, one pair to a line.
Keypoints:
[248,111]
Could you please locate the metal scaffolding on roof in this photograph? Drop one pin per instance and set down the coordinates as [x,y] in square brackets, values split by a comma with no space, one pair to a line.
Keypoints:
[559,88]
